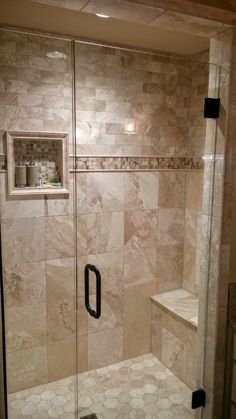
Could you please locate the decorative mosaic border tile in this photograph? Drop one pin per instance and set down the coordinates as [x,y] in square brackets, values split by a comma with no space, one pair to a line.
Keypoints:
[3,163]
[120,163]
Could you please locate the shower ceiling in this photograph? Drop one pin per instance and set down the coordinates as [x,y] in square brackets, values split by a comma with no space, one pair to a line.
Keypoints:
[161,29]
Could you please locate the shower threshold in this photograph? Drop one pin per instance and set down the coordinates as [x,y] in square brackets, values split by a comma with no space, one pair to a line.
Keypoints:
[140,387]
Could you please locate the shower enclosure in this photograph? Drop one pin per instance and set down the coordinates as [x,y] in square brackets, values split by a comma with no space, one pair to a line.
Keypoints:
[102,279]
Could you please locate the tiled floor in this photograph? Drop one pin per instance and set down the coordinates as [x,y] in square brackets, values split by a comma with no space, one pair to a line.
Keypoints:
[141,387]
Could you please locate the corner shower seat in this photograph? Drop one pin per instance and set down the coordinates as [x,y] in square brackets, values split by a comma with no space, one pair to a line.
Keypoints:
[174,332]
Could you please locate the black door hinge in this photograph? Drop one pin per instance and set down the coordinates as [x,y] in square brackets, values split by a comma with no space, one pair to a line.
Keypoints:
[211,108]
[198,398]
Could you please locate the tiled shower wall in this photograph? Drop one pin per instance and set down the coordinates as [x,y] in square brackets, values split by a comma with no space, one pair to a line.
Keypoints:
[199,74]
[130,224]
[131,103]
[36,95]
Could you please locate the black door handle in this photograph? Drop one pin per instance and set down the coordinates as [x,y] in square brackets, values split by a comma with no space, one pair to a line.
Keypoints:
[94,313]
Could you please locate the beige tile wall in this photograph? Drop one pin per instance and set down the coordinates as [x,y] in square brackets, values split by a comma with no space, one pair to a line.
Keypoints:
[118,90]
[199,73]
[131,225]
[174,343]
[37,234]
[222,52]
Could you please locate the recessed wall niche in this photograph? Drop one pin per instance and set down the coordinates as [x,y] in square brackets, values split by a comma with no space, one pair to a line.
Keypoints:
[37,163]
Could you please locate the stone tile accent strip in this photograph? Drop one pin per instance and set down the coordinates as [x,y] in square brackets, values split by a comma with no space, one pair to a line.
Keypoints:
[121,163]
[136,163]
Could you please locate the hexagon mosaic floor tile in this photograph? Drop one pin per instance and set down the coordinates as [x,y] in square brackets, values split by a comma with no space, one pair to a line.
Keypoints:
[140,387]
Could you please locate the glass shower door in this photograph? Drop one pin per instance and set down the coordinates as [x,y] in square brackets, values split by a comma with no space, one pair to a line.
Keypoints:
[145,167]
[38,227]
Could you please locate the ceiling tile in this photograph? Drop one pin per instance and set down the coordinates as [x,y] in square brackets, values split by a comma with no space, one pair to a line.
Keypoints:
[66,4]
[121,9]
[189,24]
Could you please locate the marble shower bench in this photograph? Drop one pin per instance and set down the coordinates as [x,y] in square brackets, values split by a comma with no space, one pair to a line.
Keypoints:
[174,332]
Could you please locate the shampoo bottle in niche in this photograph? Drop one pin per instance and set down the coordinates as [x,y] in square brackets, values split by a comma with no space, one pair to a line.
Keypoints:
[20,174]
[32,174]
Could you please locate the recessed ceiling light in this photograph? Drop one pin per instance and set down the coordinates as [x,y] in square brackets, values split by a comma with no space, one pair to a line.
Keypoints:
[102,15]
[56,55]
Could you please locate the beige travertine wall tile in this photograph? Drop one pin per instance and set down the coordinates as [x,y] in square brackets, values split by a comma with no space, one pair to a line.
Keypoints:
[203,236]
[170,226]
[140,93]
[19,207]
[137,319]
[59,237]
[27,368]
[105,347]
[199,73]
[190,270]
[173,352]
[26,327]
[184,331]
[140,229]
[171,190]
[24,284]
[82,236]
[179,357]
[137,303]
[105,192]
[56,205]
[104,232]
[174,343]
[140,236]
[211,305]
[23,240]
[156,331]
[81,262]
[217,209]
[168,285]
[82,317]
[209,372]
[140,266]
[61,359]
[169,263]
[81,191]
[60,279]
[194,186]
[137,339]
[82,353]
[208,185]
[215,246]
[112,311]
[61,319]
[141,191]
[38,84]
[191,221]
[110,266]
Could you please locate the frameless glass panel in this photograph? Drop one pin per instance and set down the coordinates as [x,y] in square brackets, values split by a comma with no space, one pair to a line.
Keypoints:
[144,216]
[37,225]
[130,228]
